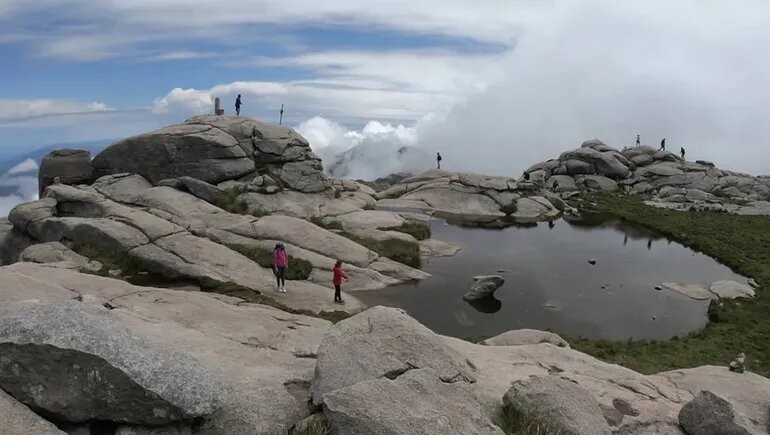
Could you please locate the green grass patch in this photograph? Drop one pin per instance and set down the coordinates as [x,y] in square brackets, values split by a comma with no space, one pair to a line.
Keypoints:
[398,250]
[230,200]
[418,230]
[329,224]
[298,269]
[740,242]
[110,260]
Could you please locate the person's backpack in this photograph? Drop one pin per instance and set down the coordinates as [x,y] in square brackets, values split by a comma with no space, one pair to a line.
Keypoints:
[438,158]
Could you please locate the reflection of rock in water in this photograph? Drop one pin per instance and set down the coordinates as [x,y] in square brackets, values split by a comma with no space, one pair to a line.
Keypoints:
[463,319]
[486,305]
[552,306]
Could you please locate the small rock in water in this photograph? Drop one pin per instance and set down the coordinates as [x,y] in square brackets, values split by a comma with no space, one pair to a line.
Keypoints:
[738,364]
[753,283]
[592,261]
[657,287]
[654,318]
[501,271]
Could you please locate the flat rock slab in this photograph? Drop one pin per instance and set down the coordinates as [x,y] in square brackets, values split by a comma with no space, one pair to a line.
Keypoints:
[519,337]
[693,291]
[50,349]
[727,289]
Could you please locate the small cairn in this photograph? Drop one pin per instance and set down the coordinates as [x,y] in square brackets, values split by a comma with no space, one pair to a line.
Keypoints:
[738,364]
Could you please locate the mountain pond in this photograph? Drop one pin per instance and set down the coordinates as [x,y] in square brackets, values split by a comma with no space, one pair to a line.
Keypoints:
[550,284]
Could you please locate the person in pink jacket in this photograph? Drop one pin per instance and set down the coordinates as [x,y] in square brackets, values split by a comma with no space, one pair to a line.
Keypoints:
[280,263]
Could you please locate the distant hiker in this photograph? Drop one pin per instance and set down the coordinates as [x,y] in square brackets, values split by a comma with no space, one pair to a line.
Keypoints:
[555,185]
[638,140]
[526,176]
[551,224]
[663,144]
[238,105]
[438,161]
[337,275]
[280,263]
[682,152]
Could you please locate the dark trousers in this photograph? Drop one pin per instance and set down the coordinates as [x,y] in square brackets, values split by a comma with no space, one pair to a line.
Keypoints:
[337,293]
[237,110]
[280,272]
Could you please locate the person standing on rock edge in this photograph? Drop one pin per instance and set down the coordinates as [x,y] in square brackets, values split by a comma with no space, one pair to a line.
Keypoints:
[663,144]
[638,140]
[438,161]
[280,263]
[337,276]
[682,152]
[238,105]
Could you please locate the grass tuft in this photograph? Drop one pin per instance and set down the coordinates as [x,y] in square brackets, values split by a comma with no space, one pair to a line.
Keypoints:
[329,224]
[418,230]
[514,422]
[740,242]
[403,251]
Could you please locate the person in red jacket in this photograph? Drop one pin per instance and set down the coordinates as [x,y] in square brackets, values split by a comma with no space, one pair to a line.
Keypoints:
[280,263]
[338,275]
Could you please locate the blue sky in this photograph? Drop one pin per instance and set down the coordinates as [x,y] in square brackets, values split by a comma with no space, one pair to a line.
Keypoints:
[505,82]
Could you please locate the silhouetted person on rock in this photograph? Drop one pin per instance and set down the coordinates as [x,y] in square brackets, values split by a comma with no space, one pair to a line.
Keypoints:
[555,186]
[551,225]
[526,176]
[682,152]
[438,161]
[638,140]
[663,144]
[238,105]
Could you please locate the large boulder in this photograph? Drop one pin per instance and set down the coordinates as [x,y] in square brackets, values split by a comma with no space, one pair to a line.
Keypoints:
[71,360]
[18,419]
[557,406]
[533,209]
[609,163]
[597,182]
[709,414]
[55,252]
[68,165]
[199,150]
[12,242]
[484,286]
[417,401]
[382,342]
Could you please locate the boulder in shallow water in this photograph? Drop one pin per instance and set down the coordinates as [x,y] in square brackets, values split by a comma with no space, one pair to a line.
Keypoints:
[709,414]
[727,289]
[520,337]
[71,360]
[483,287]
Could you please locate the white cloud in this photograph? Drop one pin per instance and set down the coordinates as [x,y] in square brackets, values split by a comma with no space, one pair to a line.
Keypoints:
[191,100]
[11,110]
[182,55]
[7,203]
[28,165]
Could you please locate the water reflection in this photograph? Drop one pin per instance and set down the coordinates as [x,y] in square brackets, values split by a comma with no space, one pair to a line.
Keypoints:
[551,285]
[486,304]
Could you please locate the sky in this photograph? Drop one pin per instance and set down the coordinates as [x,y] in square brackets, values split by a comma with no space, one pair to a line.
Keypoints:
[493,85]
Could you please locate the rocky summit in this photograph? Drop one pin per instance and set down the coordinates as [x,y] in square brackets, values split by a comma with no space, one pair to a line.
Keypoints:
[137,297]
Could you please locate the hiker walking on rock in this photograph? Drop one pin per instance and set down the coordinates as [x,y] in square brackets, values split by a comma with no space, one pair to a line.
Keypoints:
[681,151]
[337,276]
[280,263]
[638,140]
[663,144]
[238,105]
[438,161]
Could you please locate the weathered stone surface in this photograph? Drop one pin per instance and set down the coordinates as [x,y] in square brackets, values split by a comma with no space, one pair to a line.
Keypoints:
[416,399]
[597,182]
[484,286]
[605,163]
[402,204]
[12,242]
[533,209]
[202,151]
[370,219]
[709,414]
[305,206]
[561,183]
[68,165]
[558,405]
[18,419]
[382,342]
[313,238]
[521,337]
[727,289]
[49,349]
[265,355]
[451,201]
[431,248]
[201,189]
[663,169]
[642,159]
[121,187]
[305,176]
[28,213]
[55,252]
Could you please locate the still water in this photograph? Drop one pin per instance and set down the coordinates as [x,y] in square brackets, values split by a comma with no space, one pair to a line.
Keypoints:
[549,283]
